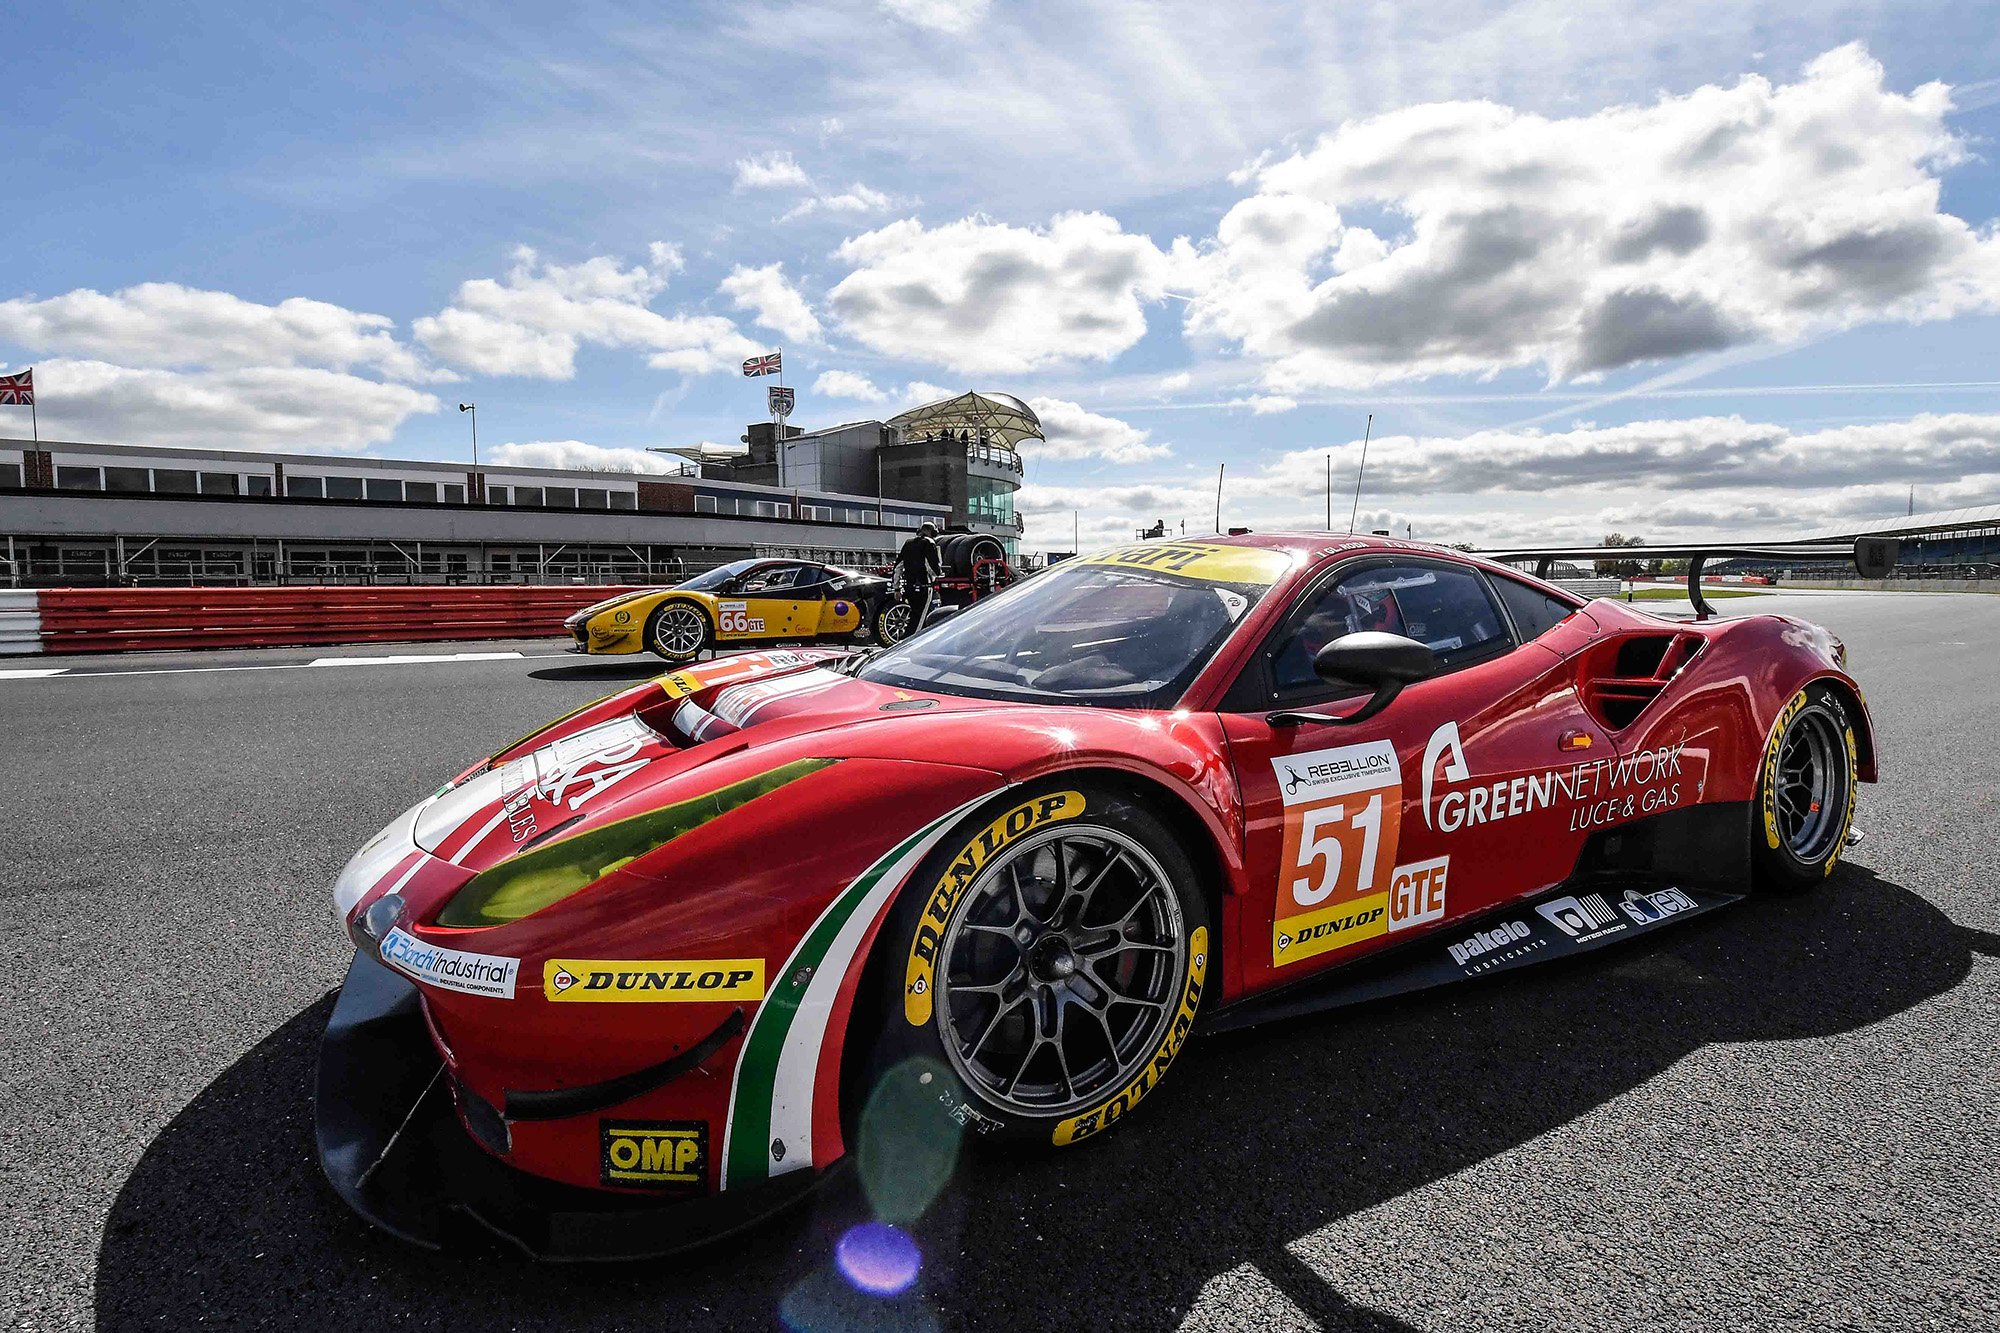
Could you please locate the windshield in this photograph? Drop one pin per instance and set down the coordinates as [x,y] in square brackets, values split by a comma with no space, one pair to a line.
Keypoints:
[1129,628]
[718,576]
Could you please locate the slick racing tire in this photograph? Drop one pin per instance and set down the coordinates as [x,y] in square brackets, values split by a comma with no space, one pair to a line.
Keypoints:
[679,631]
[1043,967]
[1805,792]
[892,623]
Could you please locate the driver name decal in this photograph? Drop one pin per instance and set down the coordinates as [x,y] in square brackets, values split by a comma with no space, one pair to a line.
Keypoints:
[920,976]
[1199,560]
[1343,814]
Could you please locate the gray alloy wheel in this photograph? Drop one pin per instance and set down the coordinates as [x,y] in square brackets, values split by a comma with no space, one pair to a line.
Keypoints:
[1060,970]
[892,623]
[679,631]
[1812,786]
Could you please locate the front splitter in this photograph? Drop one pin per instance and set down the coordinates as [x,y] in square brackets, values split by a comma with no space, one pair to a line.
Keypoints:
[394,1151]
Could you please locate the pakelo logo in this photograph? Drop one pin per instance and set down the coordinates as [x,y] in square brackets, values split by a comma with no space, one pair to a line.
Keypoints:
[1582,919]
[660,1154]
[1646,908]
[639,981]
[485,974]
[1488,949]
[1104,1116]
[920,977]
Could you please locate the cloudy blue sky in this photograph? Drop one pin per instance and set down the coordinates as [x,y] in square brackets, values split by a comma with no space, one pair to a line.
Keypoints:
[1665,268]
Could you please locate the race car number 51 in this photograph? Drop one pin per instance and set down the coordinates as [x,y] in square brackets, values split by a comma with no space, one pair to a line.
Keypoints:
[1343,813]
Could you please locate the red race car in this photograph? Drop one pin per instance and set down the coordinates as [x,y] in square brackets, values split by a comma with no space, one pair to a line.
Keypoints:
[629,984]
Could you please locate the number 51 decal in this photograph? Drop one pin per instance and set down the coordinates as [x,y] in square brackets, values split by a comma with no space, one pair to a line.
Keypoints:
[1343,811]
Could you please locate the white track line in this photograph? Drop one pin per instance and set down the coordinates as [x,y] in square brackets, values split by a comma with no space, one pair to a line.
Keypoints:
[407,658]
[68,673]
[31,673]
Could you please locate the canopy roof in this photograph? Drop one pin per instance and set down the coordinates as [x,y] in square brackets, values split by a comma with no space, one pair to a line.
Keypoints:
[1005,419]
[707,453]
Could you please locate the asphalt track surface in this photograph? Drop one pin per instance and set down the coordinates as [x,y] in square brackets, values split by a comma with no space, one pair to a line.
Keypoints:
[1785,1115]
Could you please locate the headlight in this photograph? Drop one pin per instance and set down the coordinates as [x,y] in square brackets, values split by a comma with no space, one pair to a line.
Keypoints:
[533,880]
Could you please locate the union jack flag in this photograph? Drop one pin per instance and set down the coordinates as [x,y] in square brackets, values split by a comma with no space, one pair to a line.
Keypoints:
[18,390]
[773,364]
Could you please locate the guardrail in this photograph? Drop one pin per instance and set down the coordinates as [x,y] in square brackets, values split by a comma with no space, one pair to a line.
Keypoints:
[112,620]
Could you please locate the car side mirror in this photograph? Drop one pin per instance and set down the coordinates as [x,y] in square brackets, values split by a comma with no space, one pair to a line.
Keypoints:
[1384,663]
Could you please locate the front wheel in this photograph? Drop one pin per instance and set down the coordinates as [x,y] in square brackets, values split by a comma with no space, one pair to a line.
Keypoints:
[1805,792]
[678,631]
[1045,965]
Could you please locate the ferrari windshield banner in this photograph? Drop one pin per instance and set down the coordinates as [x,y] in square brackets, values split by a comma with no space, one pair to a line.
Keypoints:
[1343,812]
[1199,560]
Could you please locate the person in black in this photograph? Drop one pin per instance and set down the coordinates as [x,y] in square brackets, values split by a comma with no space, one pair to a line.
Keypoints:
[920,563]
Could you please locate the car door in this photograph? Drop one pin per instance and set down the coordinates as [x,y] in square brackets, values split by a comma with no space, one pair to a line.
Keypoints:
[1440,807]
[769,608]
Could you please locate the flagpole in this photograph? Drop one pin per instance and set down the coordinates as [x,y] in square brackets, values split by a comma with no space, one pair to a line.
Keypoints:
[34,417]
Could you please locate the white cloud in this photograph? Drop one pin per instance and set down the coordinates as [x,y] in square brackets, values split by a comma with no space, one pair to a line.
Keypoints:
[532,322]
[1265,404]
[847,384]
[947,16]
[976,295]
[917,392]
[1072,433]
[1175,382]
[1749,214]
[857,198]
[163,324]
[775,170]
[558,454]
[772,301]
[252,407]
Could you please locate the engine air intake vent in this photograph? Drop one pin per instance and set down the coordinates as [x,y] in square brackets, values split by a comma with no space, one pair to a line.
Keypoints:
[1634,672]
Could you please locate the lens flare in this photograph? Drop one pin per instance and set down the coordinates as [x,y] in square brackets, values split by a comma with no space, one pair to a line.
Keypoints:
[878,1258]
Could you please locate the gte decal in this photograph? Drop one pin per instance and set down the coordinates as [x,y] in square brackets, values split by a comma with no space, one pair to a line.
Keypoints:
[658,1153]
[1343,812]
[1416,893]
[601,981]
[920,976]
[1582,919]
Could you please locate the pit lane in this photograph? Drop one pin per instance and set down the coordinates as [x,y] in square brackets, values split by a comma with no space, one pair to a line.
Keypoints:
[1784,1115]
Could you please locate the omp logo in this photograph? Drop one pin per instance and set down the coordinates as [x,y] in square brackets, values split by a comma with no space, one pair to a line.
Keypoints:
[920,976]
[1443,741]
[620,981]
[658,1153]
[1582,919]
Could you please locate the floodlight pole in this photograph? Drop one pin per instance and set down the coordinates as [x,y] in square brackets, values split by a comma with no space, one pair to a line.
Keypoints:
[474,409]
[1361,473]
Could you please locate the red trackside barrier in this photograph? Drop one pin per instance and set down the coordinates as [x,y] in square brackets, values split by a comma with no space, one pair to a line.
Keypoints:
[110,620]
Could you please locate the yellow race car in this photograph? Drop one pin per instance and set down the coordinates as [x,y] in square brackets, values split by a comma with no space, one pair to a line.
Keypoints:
[748,602]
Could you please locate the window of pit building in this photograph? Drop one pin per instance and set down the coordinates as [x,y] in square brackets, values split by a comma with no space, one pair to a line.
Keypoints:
[175,481]
[420,492]
[256,484]
[385,488]
[624,500]
[343,488]
[590,497]
[496,495]
[560,497]
[528,495]
[772,509]
[454,492]
[10,475]
[128,479]
[704,504]
[305,488]
[218,483]
[79,479]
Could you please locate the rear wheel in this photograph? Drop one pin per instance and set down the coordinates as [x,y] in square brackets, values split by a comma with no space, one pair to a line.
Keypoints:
[1805,792]
[678,631]
[892,623]
[1043,969]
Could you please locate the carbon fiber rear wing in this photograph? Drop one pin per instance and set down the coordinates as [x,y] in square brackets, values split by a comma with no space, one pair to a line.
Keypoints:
[1873,557]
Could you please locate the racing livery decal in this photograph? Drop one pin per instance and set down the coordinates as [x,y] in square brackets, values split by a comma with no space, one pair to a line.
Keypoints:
[920,976]
[1343,814]
[635,981]
[1416,893]
[451,969]
[654,1153]
[1199,560]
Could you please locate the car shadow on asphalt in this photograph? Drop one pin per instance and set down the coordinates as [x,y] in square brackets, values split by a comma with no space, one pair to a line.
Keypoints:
[644,669]
[1259,1138]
